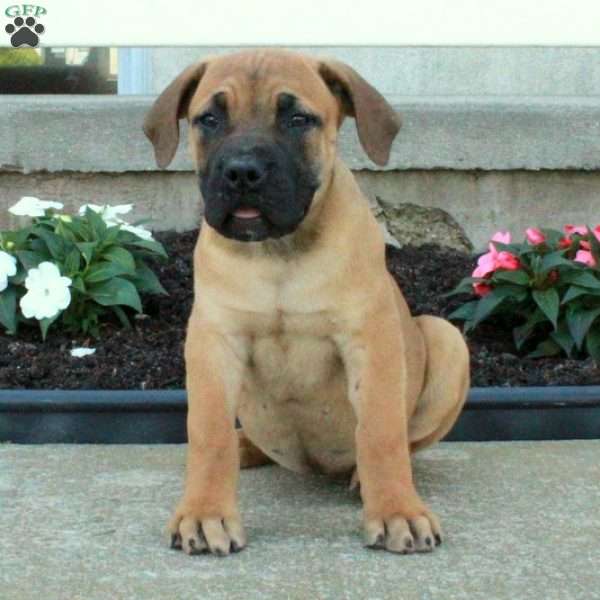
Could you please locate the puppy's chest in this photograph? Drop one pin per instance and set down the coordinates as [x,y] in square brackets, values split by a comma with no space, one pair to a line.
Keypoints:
[292,363]
[294,404]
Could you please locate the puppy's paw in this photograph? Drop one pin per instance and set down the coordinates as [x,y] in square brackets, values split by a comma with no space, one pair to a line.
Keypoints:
[397,533]
[196,534]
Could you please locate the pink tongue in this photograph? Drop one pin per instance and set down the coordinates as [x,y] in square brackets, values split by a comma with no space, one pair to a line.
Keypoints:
[246,212]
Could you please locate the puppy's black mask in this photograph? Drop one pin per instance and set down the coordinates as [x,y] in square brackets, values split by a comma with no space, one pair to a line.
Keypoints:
[257,182]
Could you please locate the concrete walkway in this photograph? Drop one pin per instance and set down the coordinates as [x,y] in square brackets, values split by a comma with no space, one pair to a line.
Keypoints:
[522,520]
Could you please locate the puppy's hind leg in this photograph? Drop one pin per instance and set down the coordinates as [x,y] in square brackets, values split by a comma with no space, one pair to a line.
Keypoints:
[250,455]
[446,382]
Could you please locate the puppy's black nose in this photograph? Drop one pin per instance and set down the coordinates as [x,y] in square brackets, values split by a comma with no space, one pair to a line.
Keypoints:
[245,172]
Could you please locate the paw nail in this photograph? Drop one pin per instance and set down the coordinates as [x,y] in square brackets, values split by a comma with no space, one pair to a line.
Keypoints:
[438,539]
[235,547]
[175,541]
[428,541]
[408,543]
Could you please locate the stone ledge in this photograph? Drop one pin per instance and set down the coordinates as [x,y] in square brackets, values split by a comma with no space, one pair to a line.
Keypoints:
[103,134]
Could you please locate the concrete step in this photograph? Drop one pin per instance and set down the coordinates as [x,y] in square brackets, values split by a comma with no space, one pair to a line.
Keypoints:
[103,134]
[490,161]
[87,522]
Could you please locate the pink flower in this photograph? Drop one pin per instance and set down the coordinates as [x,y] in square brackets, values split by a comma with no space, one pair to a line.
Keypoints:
[564,243]
[501,236]
[579,229]
[535,236]
[482,289]
[585,245]
[492,260]
[596,231]
[584,256]
[508,261]
[486,263]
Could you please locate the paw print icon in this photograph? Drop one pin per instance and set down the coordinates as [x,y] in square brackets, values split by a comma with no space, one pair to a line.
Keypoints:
[24,32]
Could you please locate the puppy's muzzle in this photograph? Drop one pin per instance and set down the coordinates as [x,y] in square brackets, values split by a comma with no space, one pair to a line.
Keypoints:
[244,173]
[251,192]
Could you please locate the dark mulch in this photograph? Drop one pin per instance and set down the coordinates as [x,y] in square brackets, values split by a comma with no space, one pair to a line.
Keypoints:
[151,354]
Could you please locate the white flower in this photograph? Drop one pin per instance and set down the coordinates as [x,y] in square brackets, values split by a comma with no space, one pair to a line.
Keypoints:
[109,214]
[28,206]
[47,292]
[8,268]
[81,352]
[140,231]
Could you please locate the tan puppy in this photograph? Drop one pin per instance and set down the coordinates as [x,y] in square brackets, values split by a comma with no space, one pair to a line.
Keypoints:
[297,327]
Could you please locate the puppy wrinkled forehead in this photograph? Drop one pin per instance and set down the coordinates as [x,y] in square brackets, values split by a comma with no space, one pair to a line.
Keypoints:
[255,81]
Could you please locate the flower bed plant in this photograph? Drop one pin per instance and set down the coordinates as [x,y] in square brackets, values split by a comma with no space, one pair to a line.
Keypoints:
[550,282]
[74,269]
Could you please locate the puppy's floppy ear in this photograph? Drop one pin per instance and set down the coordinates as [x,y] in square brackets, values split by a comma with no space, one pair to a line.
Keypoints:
[376,120]
[161,124]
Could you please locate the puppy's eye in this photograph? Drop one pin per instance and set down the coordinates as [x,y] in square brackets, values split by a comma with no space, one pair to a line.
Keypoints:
[302,120]
[208,121]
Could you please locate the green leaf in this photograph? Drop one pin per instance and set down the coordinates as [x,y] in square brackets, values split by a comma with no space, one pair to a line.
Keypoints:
[522,333]
[76,226]
[30,259]
[488,304]
[592,343]
[112,234]
[553,236]
[45,324]
[72,262]
[464,312]
[116,291]
[582,277]
[517,277]
[575,291]
[145,280]
[18,238]
[87,250]
[122,316]
[546,348]
[553,260]
[54,243]
[465,286]
[8,309]
[563,338]
[549,302]
[78,283]
[152,245]
[104,270]
[579,321]
[97,225]
[121,257]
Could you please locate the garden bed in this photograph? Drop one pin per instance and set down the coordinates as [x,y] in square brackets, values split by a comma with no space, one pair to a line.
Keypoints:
[150,356]
[131,389]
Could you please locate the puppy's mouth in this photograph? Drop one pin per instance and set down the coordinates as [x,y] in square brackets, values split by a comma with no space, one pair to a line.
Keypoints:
[246,224]
[246,213]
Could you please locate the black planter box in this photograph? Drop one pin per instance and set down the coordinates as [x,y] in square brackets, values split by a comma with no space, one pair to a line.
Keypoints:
[158,416]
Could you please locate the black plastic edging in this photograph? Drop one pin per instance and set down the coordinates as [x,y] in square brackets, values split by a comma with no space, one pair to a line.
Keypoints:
[158,416]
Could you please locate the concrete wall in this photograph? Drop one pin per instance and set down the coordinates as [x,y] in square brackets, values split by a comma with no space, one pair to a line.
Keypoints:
[443,71]
[481,202]
[496,137]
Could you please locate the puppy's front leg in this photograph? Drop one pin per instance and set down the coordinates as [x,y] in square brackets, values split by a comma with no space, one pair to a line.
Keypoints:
[394,516]
[207,517]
